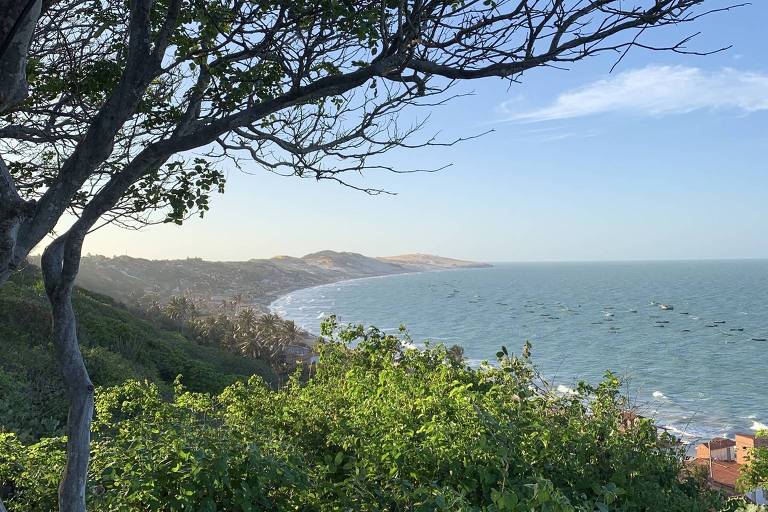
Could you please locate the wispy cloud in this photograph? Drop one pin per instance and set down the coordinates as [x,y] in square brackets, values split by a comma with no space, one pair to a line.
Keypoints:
[654,91]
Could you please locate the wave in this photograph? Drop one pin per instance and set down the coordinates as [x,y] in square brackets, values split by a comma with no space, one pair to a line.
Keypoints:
[756,425]
[681,433]
[659,394]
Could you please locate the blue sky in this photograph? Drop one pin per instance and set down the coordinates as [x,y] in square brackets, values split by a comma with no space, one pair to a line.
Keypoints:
[665,158]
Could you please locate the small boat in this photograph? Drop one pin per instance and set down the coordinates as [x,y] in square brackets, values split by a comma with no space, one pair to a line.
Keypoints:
[666,307]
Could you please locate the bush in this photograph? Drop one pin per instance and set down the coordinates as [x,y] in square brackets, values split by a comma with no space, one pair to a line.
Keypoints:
[377,427]
[116,346]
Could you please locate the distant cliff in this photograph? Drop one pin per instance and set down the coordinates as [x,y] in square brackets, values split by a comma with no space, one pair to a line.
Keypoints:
[257,282]
[421,262]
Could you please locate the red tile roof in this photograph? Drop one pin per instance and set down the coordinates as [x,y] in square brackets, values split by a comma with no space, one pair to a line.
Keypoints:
[723,473]
[717,443]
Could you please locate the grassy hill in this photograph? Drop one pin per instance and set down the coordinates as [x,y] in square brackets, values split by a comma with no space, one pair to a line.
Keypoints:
[116,344]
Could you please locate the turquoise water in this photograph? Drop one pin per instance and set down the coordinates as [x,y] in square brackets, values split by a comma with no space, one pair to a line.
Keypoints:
[699,369]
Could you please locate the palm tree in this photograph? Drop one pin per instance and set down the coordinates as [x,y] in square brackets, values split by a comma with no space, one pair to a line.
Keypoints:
[264,340]
[268,327]
[210,329]
[290,332]
[181,310]
[247,320]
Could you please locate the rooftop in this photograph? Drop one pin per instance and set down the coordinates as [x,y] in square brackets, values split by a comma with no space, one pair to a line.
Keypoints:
[717,443]
[759,442]
[724,474]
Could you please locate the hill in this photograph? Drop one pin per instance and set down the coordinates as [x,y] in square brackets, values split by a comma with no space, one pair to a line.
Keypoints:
[257,281]
[116,344]
[425,262]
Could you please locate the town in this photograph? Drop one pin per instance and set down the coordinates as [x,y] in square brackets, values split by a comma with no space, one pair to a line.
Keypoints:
[723,460]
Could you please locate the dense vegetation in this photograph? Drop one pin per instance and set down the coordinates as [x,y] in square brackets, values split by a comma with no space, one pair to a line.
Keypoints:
[377,427]
[234,327]
[117,346]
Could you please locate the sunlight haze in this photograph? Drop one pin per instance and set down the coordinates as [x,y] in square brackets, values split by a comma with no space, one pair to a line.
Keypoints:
[664,158]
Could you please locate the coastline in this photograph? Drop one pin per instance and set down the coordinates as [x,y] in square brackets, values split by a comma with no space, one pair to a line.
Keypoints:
[256,282]
[271,305]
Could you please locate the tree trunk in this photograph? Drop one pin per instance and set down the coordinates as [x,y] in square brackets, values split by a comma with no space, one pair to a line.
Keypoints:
[13,210]
[9,227]
[17,23]
[59,283]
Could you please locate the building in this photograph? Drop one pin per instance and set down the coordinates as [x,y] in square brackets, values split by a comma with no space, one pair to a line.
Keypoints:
[723,459]
[718,448]
[745,443]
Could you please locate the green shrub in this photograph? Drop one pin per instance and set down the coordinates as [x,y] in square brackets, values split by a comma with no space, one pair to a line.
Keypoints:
[116,346]
[755,474]
[377,427]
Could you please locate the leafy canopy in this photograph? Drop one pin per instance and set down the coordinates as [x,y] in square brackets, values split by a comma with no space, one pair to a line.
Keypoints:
[377,427]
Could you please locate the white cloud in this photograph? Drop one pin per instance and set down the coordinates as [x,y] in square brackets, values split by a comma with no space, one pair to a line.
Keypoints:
[654,91]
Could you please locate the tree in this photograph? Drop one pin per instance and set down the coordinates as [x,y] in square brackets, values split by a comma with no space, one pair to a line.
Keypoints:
[181,310]
[121,93]
[290,332]
[247,320]
[215,330]
[260,337]
[754,475]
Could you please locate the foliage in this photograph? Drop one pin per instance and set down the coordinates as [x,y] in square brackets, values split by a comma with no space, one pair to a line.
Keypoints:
[116,345]
[135,107]
[755,474]
[181,309]
[244,331]
[378,427]
[266,336]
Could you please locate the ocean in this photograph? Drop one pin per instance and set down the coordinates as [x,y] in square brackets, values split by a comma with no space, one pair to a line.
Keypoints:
[700,369]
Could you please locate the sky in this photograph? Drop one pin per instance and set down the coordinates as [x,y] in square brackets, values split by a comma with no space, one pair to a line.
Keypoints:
[662,158]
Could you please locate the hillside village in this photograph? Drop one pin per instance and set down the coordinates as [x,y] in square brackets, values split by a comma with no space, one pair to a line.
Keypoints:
[719,460]
[723,460]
